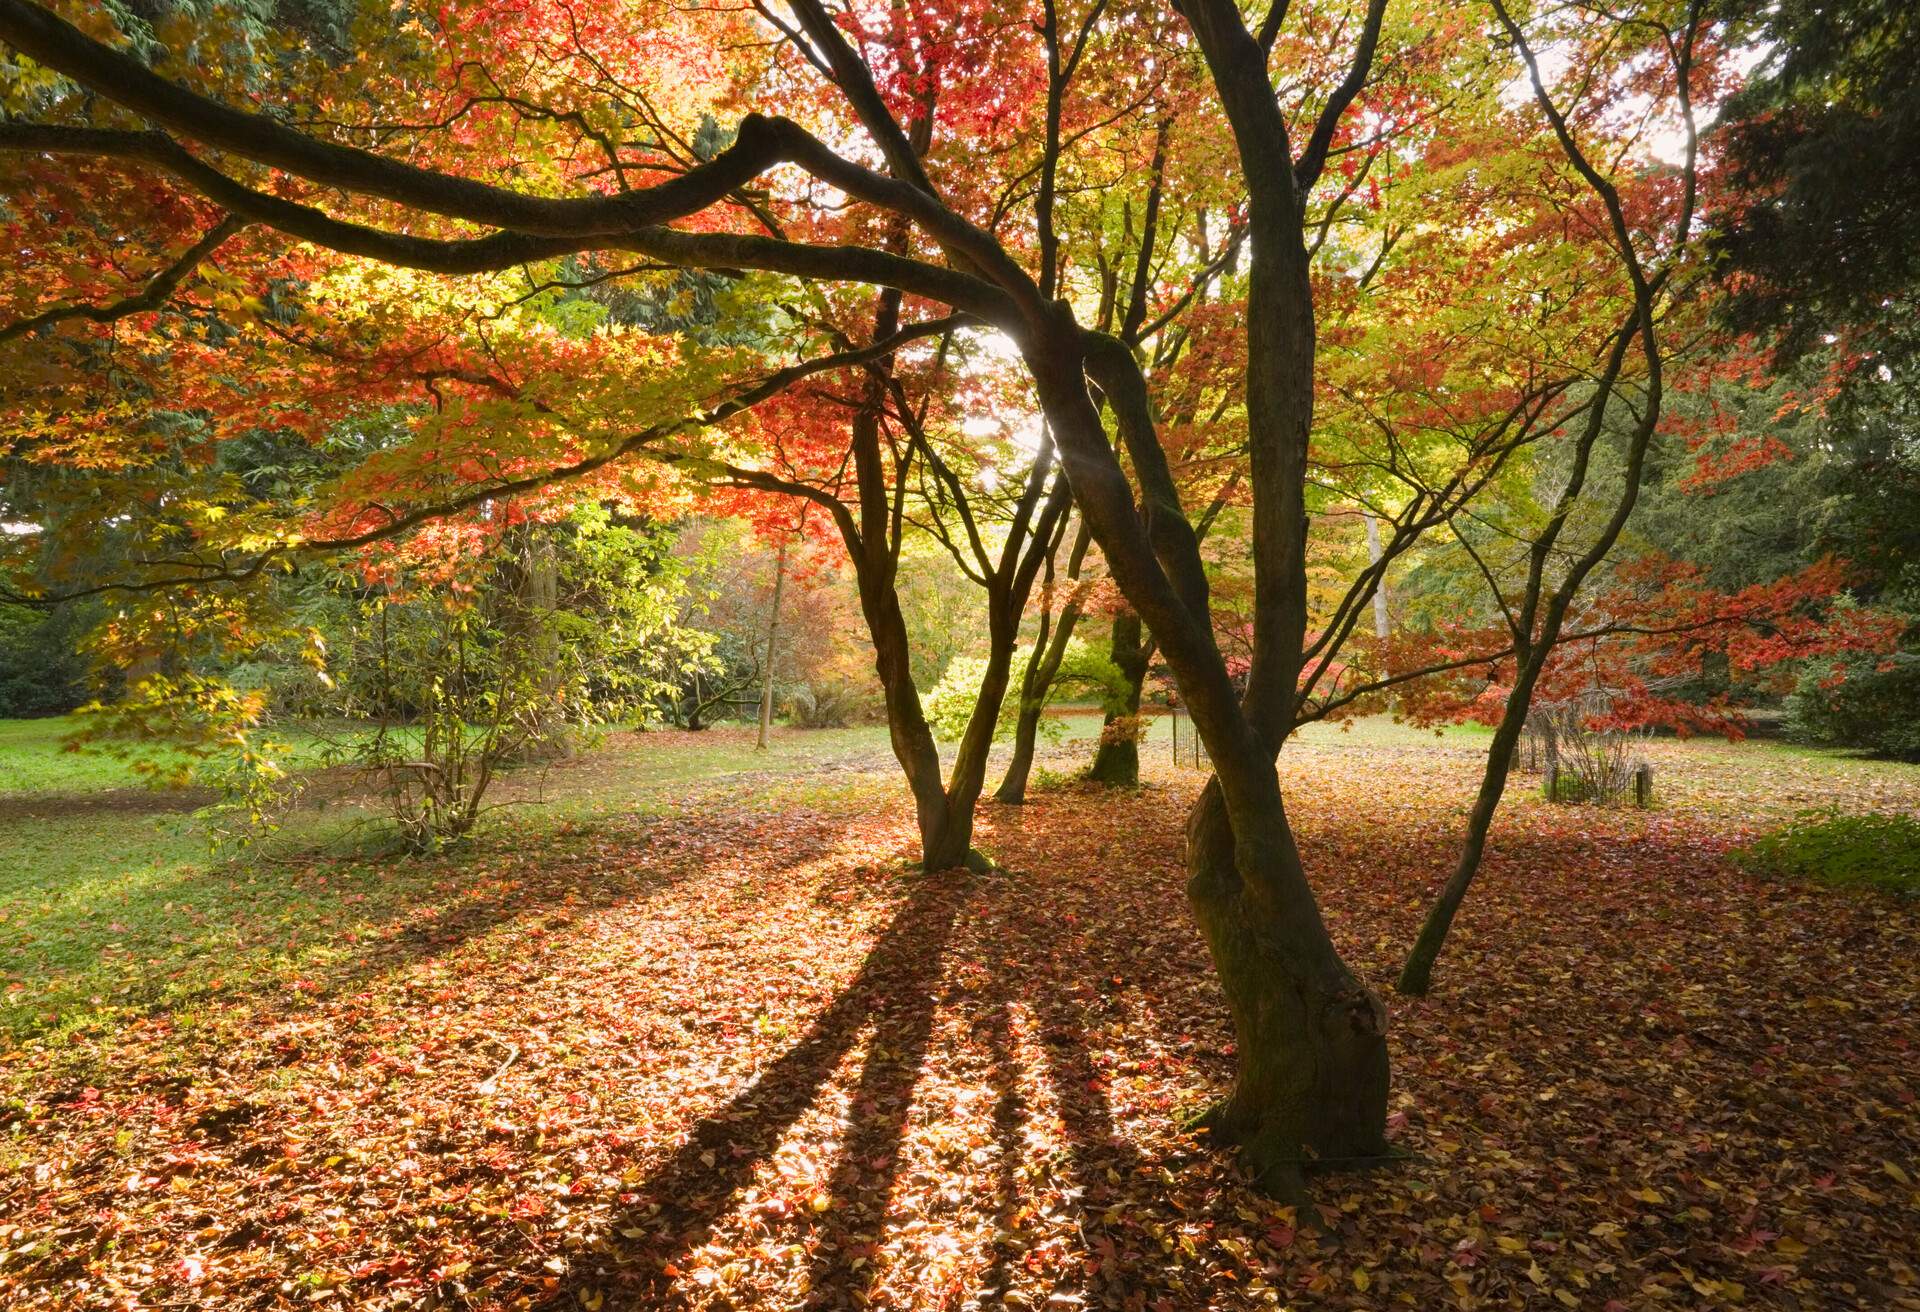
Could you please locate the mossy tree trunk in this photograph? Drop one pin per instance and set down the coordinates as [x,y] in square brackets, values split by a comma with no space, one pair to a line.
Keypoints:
[1116,761]
[1312,1069]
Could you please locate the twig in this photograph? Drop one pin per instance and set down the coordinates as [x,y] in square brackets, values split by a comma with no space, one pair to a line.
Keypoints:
[492,1082]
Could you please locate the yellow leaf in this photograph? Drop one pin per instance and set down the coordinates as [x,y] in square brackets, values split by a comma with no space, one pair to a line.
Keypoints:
[1897,1173]
[1361,1280]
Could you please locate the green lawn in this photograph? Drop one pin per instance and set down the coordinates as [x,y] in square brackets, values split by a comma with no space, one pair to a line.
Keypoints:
[111,900]
[34,759]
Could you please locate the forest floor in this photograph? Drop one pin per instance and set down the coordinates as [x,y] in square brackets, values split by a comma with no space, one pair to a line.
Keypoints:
[683,1029]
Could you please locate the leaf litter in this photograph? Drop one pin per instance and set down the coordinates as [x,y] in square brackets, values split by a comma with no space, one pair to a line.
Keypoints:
[749,1058]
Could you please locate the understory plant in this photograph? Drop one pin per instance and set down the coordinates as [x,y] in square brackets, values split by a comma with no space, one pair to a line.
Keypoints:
[443,674]
[1085,671]
[1582,756]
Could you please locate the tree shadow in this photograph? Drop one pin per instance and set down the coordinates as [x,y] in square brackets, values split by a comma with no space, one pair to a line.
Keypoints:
[432,912]
[1102,1166]
[1104,1162]
[577,884]
[862,1183]
[680,1201]
[1009,1111]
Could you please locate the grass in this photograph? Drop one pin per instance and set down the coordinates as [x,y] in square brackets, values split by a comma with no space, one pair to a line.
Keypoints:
[1879,852]
[112,903]
[34,759]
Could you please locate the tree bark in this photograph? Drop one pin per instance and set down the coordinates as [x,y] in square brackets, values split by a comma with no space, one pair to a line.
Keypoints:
[1043,667]
[1312,1061]
[1026,730]
[944,836]
[533,572]
[1382,627]
[1416,976]
[1312,1076]
[1116,761]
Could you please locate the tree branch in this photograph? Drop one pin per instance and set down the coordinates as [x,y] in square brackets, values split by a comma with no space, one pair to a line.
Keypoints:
[117,77]
[151,297]
[1314,158]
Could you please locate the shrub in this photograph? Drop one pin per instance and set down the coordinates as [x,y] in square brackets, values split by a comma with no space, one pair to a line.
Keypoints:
[1083,669]
[1848,851]
[1583,757]
[1873,708]
[829,703]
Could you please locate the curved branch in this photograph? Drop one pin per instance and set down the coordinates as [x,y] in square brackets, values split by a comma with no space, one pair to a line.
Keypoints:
[117,77]
[855,80]
[503,250]
[500,250]
[1314,158]
[151,297]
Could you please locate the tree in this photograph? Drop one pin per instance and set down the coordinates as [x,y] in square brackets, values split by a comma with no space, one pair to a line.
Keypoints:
[1820,146]
[1776,481]
[40,674]
[924,215]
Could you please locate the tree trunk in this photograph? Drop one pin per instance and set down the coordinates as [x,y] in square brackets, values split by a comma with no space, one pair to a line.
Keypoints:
[1381,623]
[1116,762]
[1036,683]
[1416,976]
[1310,1040]
[773,637]
[1026,739]
[969,775]
[534,578]
[944,837]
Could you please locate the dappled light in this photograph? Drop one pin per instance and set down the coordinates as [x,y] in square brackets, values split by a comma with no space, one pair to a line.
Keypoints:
[777,1066]
[822,655]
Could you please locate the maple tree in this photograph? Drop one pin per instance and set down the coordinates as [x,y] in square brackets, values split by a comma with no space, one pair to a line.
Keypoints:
[919,204]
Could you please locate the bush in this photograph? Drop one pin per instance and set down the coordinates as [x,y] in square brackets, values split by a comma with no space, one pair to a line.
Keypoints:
[828,704]
[1584,763]
[1877,710]
[41,671]
[1848,851]
[1083,669]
